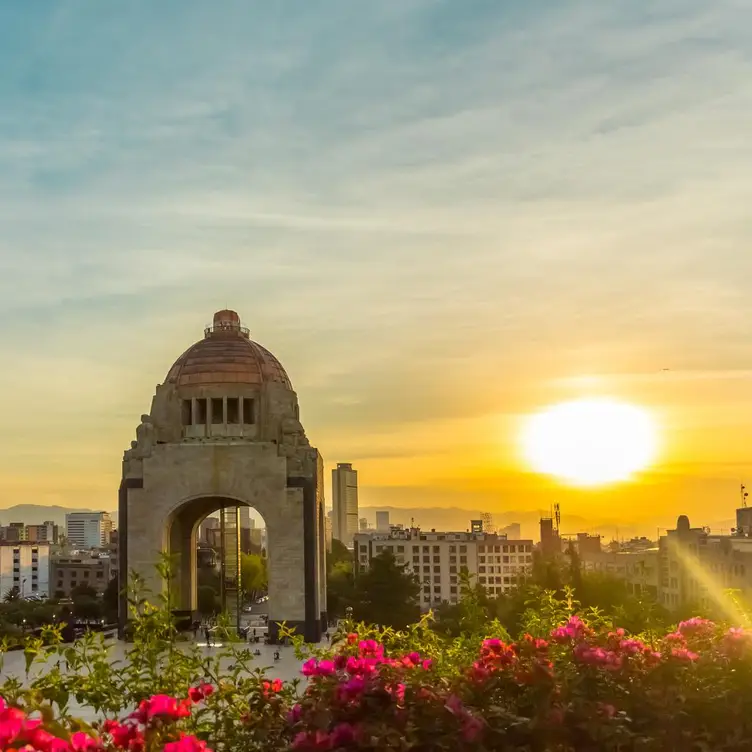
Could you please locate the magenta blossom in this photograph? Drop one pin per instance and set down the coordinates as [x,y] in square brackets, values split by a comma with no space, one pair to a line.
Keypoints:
[696,627]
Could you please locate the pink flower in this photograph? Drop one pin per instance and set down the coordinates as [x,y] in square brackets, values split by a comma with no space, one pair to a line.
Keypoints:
[342,735]
[472,729]
[313,667]
[677,637]
[352,638]
[81,742]
[632,647]
[371,649]
[294,715]
[427,664]
[11,725]
[682,654]
[574,629]
[352,689]
[186,743]
[696,627]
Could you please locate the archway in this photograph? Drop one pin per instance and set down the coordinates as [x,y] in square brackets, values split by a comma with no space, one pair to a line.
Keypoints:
[225,542]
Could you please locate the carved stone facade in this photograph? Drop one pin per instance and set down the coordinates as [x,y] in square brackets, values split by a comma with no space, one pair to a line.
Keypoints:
[224,430]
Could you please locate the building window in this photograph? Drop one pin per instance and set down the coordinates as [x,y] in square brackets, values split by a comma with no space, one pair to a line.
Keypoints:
[481,549]
[186,412]
[426,570]
[436,549]
[201,412]
[437,589]
[482,569]
[452,570]
[426,559]
[463,559]
[217,410]
[248,411]
[436,559]
[400,549]
[453,589]
[452,559]
[233,410]
[463,549]
[482,580]
[482,559]
[426,549]
[99,575]
[59,583]
[452,549]
[437,580]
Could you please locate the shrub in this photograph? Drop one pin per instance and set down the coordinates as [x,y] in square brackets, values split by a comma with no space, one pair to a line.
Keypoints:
[569,682]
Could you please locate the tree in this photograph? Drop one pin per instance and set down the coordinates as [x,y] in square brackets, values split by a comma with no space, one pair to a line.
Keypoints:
[340,589]
[14,594]
[339,554]
[386,594]
[111,596]
[208,603]
[86,607]
[254,577]
[83,590]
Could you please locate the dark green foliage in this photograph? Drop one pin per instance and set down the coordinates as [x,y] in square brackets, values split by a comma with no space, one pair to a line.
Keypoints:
[387,594]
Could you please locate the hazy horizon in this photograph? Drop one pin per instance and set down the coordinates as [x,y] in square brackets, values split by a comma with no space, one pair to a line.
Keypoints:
[441,217]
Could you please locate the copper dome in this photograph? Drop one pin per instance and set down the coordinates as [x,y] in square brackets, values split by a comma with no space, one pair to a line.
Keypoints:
[227,355]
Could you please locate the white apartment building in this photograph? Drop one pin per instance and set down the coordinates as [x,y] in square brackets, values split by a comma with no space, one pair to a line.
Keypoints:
[438,559]
[88,529]
[345,502]
[25,565]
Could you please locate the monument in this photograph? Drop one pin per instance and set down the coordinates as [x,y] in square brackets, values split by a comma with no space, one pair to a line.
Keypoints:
[224,432]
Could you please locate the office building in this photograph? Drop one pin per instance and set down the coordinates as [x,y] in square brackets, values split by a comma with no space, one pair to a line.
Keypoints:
[88,529]
[345,502]
[25,568]
[382,522]
[14,532]
[68,572]
[328,532]
[47,532]
[438,559]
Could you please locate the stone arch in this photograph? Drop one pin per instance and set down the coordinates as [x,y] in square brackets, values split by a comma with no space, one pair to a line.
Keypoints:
[178,470]
[183,522]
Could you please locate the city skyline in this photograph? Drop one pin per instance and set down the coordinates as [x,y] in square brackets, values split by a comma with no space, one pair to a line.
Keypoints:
[441,218]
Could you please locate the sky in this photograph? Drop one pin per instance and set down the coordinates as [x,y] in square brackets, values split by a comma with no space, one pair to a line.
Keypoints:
[440,216]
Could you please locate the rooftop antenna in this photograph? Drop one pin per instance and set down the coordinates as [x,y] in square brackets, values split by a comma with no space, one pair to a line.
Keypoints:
[557,513]
[744,494]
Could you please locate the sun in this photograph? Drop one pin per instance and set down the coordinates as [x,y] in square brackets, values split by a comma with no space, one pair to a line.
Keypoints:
[590,442]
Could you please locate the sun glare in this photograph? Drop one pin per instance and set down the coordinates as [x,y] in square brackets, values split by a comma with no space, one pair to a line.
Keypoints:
[590,442]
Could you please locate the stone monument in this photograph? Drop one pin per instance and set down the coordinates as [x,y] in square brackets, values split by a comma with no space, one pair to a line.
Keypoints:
[224,431]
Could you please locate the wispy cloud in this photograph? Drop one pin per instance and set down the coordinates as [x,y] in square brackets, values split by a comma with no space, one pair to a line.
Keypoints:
[428,209]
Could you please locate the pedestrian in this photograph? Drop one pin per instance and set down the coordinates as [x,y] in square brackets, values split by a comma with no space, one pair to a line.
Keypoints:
[207,633]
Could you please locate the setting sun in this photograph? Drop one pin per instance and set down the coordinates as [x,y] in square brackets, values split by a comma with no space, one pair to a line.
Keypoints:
[590,442]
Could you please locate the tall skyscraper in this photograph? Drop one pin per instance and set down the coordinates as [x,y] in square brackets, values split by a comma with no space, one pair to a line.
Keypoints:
[88,529]
[345,502]
[382,522]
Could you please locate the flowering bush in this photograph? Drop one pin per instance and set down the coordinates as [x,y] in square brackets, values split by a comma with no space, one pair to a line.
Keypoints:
[574,683]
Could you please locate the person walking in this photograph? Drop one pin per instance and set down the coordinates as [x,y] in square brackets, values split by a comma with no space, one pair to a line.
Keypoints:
[208,634]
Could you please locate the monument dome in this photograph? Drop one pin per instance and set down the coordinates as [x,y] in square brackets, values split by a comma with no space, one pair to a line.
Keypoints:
[227,355]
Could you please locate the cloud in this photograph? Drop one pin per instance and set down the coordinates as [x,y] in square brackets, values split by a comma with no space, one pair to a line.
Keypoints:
[426,210]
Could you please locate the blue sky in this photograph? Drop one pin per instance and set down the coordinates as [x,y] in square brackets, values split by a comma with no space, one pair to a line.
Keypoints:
[429,210]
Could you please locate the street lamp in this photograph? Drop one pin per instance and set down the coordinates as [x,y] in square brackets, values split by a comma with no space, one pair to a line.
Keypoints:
[348,613]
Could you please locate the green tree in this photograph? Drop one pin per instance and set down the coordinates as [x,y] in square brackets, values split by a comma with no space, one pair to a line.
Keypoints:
[340,589]
[84,590]
[111,597]
[254,578]
[13,594]
[208,602]
[340,554]
[386,594]
[86,607]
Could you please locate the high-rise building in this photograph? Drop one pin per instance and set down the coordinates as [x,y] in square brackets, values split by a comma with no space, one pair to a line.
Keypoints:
[88,529]
[345,501]
[382,522]
[25,568]
[16,531]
